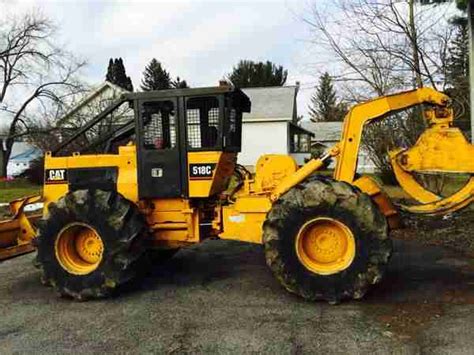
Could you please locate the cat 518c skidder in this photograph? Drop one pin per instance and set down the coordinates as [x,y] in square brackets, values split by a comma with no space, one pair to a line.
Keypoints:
[158,178]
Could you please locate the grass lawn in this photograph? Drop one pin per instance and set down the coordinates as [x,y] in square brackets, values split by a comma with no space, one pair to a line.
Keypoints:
[10,190]
[451,184]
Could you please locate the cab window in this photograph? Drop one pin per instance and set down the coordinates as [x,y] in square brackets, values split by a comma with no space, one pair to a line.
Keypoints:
[159,125]
[233,128]
[203,123]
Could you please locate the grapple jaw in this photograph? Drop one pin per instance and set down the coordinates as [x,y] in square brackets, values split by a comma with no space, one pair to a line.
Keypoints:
[18,232]
[442,148]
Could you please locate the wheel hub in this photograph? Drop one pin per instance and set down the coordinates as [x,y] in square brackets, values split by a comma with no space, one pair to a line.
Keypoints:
[79,248]
[325,246]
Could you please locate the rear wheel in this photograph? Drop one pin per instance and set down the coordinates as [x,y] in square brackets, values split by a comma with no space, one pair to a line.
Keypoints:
[326,240]
[90,243]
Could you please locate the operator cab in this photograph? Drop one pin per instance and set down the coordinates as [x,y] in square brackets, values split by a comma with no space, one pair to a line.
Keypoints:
[188,140]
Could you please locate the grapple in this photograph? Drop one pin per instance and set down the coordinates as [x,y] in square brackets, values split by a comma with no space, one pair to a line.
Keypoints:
[440,149]
[18,231]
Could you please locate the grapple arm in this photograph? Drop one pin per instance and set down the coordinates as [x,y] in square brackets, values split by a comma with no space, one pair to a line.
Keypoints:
[368,111]
[347,150]
[442,148]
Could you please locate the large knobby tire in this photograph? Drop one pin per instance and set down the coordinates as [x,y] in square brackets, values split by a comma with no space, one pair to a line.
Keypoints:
[117,231]
[323,199]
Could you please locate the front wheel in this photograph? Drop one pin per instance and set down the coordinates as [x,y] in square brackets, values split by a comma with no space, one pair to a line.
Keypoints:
[326,240]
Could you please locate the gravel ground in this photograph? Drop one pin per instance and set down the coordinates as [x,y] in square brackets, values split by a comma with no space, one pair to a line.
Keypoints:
[220,297]
[454,231]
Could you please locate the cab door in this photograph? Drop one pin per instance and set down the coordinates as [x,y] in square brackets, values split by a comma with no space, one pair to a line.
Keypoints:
[160,164]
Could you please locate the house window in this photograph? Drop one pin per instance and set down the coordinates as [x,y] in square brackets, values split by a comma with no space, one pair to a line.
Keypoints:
[300,143]
[305,143]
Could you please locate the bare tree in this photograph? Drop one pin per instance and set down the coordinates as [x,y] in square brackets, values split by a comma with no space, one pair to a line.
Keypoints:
[34,74]
[380,47]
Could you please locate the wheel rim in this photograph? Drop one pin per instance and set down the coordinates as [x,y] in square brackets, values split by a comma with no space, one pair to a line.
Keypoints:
[325,246]
[79,248]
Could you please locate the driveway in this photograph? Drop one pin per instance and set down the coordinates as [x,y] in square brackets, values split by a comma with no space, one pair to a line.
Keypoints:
[220,297]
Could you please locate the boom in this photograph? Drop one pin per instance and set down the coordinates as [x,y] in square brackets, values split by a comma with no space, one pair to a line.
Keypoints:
[347,150]
[372,110]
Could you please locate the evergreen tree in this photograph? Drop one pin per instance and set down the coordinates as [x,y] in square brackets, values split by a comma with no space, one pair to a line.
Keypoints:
[324,106]
[110,71]
[155,77]
[257,74]
[117,75]
[122,79]
[458,59]
[462,4]
[457,75]
[179,84]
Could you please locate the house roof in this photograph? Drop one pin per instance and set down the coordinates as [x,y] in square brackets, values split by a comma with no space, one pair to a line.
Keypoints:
[299,129]
[276,103]
[324,131]
[24,151]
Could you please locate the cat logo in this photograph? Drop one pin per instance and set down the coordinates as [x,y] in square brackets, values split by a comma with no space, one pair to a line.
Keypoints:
[55,176]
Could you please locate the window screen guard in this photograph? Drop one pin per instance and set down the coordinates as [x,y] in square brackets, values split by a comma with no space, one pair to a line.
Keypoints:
[203,123]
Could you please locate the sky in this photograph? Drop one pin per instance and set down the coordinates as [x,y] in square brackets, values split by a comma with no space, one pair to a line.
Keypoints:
[199,41]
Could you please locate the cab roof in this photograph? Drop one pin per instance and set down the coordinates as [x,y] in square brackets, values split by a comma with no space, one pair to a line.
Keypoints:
[236,94]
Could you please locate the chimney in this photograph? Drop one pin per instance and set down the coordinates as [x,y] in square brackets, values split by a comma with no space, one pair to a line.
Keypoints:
[224,82]
[297,84]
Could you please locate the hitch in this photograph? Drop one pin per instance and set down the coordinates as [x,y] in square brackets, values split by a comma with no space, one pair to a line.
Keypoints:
[18,232]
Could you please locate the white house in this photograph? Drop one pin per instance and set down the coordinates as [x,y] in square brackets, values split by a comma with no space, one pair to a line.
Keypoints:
[97,100]
[92,104]
[326,134]
[20,158]
[270,129]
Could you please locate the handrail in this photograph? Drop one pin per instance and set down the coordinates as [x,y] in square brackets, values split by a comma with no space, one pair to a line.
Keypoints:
[91,123]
